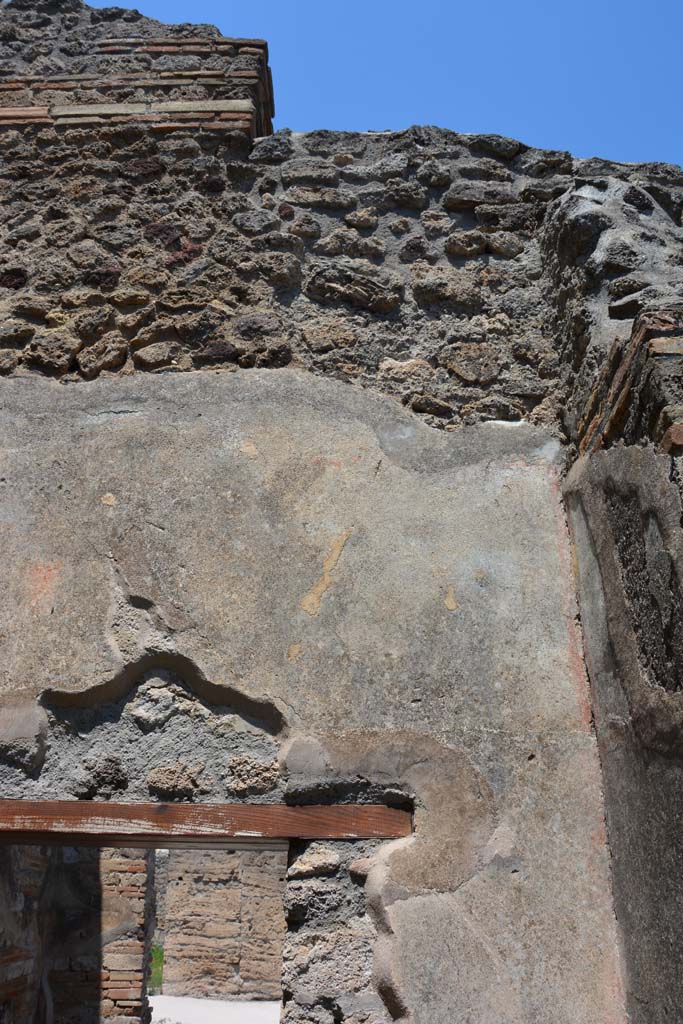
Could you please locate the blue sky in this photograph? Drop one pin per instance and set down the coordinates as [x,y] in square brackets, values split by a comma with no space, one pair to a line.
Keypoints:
[600,78]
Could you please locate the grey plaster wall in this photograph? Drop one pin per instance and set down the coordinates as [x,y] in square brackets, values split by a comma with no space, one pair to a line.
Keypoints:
[394,605]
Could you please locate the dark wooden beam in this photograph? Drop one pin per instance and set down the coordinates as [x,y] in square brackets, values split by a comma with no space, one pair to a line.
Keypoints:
[81,823]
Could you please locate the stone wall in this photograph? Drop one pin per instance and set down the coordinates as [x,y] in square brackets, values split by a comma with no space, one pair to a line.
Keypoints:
[415,262]
[240,564]
[331,935]
[224,924]
[159,740]
[69,65]
[470,277]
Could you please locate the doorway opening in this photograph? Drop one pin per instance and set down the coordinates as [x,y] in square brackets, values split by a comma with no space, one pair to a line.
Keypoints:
[219,929]
[171,914]
[211,760]
[113,934]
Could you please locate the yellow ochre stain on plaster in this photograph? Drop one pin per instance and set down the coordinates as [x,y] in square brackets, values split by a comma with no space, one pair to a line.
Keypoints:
[450,600]
[249,449]
[311,602]
[294,651]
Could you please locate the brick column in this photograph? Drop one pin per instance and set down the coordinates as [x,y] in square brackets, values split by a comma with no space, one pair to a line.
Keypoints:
[127,924]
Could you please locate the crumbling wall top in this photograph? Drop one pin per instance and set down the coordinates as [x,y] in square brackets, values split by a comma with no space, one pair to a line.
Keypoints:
[65,63]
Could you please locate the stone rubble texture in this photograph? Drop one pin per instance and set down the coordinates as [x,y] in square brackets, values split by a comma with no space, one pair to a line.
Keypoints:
[242,564]
[160,742]
[460,274]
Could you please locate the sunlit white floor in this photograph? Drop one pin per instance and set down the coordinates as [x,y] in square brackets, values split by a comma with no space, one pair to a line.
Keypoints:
[182,1010]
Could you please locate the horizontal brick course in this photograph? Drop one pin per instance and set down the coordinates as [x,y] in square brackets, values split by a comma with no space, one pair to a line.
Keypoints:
[214,84]
[630,399]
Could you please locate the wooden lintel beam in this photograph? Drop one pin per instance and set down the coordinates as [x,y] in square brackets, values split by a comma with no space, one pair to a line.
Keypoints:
[79,823]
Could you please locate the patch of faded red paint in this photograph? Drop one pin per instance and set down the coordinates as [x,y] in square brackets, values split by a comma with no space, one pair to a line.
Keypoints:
[599,834]
[610,994]
[615,995]
[577,668]
[42,579]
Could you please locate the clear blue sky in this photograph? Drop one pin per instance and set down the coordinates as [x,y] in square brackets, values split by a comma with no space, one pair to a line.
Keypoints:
[597,77]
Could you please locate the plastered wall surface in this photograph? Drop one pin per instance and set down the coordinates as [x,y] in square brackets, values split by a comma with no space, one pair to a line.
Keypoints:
[318,551]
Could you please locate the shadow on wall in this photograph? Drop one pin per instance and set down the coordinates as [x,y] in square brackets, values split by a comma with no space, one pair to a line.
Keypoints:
[625,510]
[50,936]
[75,933]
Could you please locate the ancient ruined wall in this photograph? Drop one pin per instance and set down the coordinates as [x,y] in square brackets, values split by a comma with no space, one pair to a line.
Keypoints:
[342,600]
[471,277]
[65,64]
[50,934]
[237,568]
[626,515]
[158,741]
[624,500]
[224,924]
[332,933]
[409,262]
[224,914]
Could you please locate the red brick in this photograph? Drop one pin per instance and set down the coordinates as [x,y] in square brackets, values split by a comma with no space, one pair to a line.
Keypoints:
[24,122]
[673,438]
[24,112]
[666,346]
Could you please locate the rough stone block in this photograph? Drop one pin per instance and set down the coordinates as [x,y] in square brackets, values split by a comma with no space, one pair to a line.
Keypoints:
[23,736]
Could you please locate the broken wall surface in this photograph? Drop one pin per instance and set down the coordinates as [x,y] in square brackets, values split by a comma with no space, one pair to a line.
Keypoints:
[624,503]
[238,569]
[315,555]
